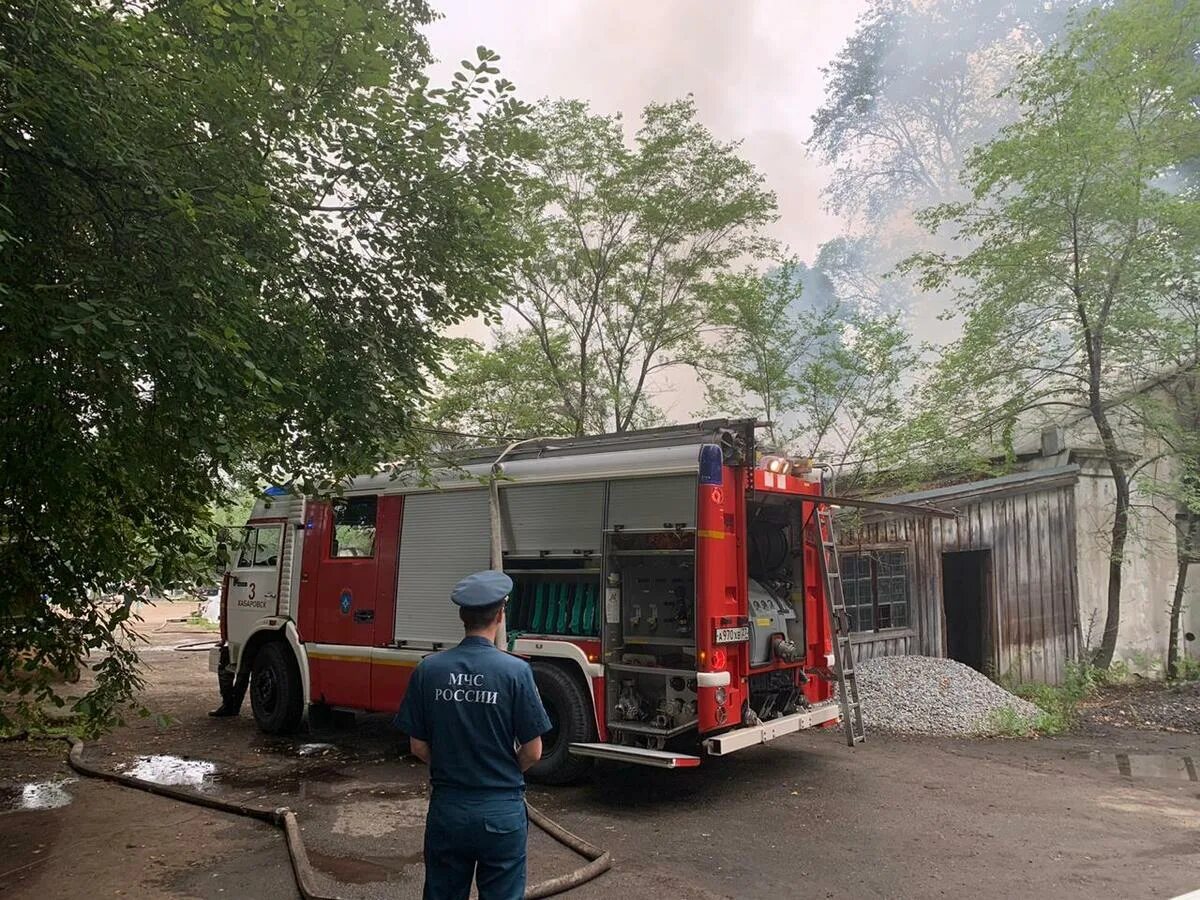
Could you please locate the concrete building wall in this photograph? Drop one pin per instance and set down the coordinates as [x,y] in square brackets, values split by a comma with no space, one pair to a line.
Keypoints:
[1191,613]
[1148,575]
[1150,560]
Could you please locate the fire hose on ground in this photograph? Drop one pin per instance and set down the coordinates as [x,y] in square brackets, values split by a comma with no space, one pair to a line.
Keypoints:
[599,860]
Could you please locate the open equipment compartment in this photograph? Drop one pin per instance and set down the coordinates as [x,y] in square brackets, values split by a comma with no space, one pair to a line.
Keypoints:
[650,634]
[552,541]
[554,596]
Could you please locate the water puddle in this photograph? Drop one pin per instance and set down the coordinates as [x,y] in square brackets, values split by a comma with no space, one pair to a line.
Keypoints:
[364,871]
[1149,765]
[267,780]
[173,770]
[316,749]
[35,795]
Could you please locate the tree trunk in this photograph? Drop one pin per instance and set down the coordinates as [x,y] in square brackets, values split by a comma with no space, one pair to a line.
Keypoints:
[1120,528]
[581,418]
[1176,610]
[1116,558]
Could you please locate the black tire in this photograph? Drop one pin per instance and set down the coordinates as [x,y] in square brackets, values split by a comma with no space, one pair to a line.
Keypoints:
[276,694]
[570,710]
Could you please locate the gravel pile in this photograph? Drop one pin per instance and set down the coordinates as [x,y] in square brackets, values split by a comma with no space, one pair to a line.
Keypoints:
[925,695]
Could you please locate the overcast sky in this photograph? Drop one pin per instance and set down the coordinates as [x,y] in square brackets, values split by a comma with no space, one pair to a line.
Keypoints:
[753,66]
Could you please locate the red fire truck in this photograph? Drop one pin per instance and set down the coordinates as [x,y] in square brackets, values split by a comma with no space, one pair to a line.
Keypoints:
[669,591]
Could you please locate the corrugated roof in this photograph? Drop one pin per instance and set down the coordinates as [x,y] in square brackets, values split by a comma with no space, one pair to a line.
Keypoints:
[1015,480]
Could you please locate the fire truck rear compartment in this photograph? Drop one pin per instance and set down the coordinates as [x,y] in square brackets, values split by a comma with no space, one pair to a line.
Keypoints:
[650,634]
[775,608]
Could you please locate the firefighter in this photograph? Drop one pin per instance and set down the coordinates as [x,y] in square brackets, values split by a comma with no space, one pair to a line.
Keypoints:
[474,716]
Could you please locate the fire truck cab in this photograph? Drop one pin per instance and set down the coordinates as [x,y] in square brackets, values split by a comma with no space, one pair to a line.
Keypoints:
[667,592]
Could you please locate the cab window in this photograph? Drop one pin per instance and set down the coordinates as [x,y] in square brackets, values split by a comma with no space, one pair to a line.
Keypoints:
[353,527]
[259,547]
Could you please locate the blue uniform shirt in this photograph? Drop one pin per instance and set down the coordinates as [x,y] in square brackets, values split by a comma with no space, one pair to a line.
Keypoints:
[471,705]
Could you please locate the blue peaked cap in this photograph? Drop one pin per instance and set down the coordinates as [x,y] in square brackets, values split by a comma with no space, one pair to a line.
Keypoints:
[482,589]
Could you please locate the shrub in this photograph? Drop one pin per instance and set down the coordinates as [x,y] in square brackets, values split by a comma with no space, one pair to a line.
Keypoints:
[1188,669]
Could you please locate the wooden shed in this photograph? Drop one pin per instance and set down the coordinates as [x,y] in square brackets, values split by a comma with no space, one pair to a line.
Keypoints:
[995,588]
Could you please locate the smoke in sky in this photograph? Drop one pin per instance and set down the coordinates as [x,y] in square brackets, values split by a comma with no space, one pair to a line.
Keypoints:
[753,67]
[755,70]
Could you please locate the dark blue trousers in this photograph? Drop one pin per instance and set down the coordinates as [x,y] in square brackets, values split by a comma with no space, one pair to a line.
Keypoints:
[475,836]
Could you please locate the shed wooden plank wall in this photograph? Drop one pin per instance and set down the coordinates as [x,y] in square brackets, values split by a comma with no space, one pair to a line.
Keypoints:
[1033,596]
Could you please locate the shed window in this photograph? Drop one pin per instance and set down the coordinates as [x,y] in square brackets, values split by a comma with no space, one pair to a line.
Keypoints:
[877,590]
[353,527]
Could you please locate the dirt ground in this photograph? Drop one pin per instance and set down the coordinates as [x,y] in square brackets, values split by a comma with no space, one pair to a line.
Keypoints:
[1112,812]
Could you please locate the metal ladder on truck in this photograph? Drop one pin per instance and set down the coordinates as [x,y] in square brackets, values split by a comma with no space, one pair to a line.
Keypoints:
[843,653]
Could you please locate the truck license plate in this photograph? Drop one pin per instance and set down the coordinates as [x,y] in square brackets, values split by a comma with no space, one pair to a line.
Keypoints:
[733,635]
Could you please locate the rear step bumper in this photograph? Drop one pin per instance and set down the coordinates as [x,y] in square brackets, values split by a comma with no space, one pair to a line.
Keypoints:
[740,738]
[729,742]
[660,758]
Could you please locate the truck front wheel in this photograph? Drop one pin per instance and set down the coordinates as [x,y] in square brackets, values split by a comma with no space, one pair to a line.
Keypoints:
[275,690]
[571,721]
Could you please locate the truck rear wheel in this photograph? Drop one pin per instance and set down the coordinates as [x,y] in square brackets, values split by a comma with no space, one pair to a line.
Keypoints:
[571,721]
[275,690]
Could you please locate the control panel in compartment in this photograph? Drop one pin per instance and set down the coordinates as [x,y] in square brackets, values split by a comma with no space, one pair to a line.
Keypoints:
[650,634]
[659,600]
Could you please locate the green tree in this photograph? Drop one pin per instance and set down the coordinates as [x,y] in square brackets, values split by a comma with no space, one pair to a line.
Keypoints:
[856,390]
[230,234]
[503,392]
[621,241]
[914,90]
[829,378]
[752,365]
[1074,236]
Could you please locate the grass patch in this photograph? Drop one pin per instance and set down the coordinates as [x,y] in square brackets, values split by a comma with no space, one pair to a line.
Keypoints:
[1007,722]
[1059,703]
[198,622]
[1059,706]
[37,725]
[1187,669]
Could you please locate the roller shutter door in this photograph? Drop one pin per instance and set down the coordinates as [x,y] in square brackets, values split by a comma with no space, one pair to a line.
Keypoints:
[652,502]
[552,519]
[444,538]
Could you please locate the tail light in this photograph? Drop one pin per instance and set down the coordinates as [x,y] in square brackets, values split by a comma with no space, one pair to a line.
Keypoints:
[719,659]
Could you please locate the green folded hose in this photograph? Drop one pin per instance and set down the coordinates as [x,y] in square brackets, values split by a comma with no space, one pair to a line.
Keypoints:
[589,612]
[539,608]
[563,597]
[576,626]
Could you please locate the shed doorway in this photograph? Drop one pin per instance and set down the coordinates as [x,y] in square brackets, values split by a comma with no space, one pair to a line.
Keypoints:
[964,599]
